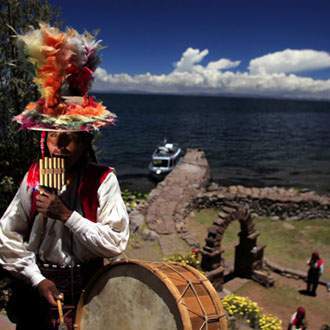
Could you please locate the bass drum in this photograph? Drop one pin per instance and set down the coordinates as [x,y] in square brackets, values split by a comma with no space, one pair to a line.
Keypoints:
[139,295]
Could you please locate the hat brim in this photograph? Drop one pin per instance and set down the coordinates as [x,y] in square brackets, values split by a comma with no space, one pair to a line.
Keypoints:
[77,116]
[58,129]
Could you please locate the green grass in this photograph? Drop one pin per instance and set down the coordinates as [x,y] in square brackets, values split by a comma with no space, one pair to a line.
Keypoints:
[206,216]
[288,243]
[230,240]
[292,247]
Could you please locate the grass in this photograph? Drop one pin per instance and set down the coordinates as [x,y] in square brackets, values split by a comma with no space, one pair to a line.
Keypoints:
[206,216]
[288,243]
[292,247]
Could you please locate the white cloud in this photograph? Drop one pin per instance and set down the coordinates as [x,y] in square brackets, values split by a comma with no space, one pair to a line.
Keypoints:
[189,58]
[189,76]
[223,64]
[290,60]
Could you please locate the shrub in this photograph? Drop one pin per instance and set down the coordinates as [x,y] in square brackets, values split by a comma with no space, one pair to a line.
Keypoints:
[249,310]
[191,259]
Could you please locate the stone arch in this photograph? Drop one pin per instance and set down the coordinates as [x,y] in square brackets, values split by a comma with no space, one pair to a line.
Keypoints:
[248,255]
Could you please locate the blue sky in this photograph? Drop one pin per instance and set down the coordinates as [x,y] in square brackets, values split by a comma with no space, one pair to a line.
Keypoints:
[152,36]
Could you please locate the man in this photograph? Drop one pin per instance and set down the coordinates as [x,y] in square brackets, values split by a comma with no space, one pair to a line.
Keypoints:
[316,268]
[53,243]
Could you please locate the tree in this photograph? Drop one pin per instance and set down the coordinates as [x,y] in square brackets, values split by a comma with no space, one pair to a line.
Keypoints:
[17,148]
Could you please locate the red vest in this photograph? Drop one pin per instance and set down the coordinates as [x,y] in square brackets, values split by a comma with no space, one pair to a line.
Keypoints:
[92,177]
[320,263]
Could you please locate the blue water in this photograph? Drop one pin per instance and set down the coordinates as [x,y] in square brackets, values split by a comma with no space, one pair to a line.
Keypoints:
[253,142]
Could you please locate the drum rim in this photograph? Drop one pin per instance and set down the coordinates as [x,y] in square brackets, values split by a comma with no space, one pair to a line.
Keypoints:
[183,310]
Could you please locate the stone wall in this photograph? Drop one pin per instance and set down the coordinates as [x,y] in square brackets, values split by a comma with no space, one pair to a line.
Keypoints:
[275,202]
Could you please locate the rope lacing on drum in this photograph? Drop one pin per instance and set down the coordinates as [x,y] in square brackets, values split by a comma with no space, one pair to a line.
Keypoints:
[196,281]
[208,319]
[205,317]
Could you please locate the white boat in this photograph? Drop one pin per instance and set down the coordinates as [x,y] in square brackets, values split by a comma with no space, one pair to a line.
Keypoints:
[164,159]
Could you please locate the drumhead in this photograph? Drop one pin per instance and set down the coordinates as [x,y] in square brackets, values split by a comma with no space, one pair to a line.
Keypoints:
[127,296]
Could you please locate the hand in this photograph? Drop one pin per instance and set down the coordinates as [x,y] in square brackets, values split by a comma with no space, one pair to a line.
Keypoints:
[50,205]
[48,290]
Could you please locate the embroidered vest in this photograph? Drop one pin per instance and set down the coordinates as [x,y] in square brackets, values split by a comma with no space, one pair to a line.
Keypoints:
[91,179]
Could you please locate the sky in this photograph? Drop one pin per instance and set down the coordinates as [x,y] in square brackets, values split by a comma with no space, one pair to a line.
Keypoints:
[259,48]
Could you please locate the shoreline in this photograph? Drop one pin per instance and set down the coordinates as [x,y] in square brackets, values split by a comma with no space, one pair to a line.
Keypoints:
[143,184]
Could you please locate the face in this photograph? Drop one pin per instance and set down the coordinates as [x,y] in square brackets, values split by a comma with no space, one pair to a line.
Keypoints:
[66,145]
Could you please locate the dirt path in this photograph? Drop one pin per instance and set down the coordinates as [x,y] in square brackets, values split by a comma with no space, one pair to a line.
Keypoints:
[284,298]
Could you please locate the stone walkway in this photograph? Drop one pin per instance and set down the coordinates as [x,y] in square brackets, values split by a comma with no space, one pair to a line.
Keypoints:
[166,204]
[165,209]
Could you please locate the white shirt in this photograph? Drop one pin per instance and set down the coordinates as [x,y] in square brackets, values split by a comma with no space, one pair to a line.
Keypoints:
[76,240]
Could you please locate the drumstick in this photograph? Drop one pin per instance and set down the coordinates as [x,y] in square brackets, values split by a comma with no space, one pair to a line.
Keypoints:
[62,325]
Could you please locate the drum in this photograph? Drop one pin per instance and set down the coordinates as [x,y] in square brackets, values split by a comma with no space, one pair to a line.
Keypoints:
[140,295]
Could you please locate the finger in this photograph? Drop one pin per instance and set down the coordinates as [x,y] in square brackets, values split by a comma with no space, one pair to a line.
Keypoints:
[51,299]
[60,296]
[55,292]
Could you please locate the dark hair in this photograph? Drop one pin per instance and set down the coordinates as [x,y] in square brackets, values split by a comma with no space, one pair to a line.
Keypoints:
[315,256]
[87,139]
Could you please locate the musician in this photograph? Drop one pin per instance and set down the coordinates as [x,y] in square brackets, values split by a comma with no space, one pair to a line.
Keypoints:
[53,243]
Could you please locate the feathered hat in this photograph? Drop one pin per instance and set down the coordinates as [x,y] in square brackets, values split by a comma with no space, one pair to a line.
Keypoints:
[64,64]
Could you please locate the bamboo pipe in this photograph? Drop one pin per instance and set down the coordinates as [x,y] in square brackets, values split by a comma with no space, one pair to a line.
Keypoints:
[52,173]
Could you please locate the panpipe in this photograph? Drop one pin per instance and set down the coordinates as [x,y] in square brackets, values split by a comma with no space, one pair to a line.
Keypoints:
[52,172]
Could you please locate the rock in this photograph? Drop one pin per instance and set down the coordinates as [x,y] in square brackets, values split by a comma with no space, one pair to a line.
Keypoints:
[222,215]
[240,190]
[190,239]
[248,191]
[136,221]
[135,244]
[275,218]
[232,190]
[213,187]
[180,227]
[149,235]
[255,192]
